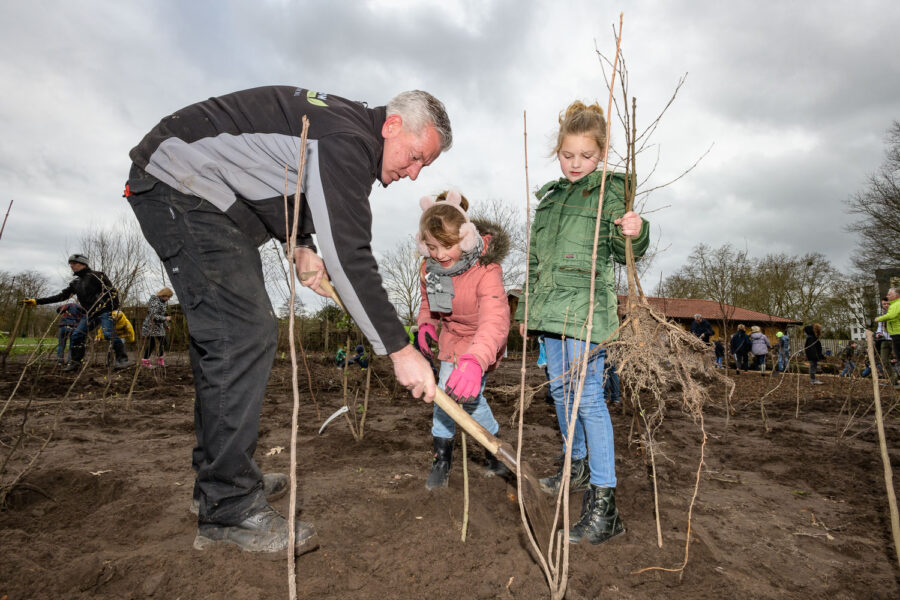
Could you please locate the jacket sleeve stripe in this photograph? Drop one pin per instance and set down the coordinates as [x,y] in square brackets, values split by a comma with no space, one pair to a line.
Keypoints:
[325,236]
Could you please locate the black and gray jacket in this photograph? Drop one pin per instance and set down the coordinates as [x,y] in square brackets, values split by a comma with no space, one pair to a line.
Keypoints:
[93,289]
[240,152]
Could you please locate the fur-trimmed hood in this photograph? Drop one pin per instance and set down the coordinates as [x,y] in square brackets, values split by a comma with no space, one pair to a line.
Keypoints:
[496,241]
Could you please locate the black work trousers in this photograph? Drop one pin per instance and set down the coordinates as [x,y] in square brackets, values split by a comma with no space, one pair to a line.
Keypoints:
[216,272]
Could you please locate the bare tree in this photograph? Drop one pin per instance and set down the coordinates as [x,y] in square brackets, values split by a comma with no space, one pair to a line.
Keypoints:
[121,252]
[878,206]
[399,269]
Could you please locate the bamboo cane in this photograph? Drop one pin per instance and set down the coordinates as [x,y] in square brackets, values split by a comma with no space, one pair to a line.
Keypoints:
[885,457]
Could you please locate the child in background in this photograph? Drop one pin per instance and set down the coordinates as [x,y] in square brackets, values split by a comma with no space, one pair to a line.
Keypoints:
[813,349]
[361,358]
[70,314]
[562,240]
[153,329]
[848,354]
[720,353]
[463,295]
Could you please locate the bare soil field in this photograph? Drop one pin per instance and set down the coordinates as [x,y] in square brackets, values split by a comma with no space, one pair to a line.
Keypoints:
[798,512]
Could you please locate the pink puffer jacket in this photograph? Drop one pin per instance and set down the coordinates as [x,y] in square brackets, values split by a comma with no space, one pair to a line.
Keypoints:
[479,321]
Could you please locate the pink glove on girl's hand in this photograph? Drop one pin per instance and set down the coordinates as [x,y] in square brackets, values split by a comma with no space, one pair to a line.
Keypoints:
[425,331]
[464,383]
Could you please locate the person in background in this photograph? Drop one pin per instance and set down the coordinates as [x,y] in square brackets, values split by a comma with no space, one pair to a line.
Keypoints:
[784,350]
[154,327]
[124,331]
[883,339]
[98,297]
[740,348]
[720,353]
[760,346]
[70,314]
[848,356]
[701,328]
[891,320]
[813,349]
[361,358]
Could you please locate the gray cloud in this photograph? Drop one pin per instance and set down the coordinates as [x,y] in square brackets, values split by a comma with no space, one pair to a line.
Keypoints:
[795,96]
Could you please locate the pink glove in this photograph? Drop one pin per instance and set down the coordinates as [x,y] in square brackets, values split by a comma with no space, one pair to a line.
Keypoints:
[464,383]
[426,330]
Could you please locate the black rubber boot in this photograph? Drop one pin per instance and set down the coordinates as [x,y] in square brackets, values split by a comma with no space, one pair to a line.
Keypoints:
[579,478]
[440,463]
[121,356]
[600,519]
[494,467]
[76,356]
[264,532]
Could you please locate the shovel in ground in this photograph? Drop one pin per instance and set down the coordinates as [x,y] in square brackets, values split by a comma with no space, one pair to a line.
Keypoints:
[535,502]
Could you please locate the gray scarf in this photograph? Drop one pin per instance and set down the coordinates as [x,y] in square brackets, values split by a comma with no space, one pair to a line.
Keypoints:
[439,281]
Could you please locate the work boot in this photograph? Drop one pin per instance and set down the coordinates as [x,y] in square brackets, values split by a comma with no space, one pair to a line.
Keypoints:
[275,485]
[121,356]
[264,532]
[440,463]
[71,366]
[600,519]
[578,480]
[494,467]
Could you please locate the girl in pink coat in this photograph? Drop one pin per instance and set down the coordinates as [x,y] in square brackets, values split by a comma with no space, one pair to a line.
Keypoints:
[463,296]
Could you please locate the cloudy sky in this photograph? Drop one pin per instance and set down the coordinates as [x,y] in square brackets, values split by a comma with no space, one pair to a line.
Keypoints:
[793,97]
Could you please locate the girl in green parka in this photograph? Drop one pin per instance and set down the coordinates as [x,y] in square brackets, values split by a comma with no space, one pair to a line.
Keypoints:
[562,239]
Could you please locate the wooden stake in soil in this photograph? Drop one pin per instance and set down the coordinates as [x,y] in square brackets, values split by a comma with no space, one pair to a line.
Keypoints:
[292,243]
[885,457]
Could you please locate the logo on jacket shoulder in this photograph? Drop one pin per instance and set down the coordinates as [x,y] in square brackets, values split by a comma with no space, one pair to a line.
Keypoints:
[316,98]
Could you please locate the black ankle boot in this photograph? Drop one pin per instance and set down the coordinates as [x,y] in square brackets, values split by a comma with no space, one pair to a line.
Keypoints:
[494,467]
[600,519]
[440,463]
[578,480]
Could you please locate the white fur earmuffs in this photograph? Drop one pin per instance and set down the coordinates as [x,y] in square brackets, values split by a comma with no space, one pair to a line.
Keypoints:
[468,234]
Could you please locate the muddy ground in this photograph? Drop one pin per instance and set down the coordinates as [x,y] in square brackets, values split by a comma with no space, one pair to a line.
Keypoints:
[798,512]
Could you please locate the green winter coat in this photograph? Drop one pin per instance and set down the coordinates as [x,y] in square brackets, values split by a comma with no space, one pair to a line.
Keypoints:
[562,239]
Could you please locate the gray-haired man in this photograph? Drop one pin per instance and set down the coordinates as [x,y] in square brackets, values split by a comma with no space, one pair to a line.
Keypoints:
[206,186]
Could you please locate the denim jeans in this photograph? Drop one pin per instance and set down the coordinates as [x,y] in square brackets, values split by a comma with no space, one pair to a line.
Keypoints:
[65,332]
[813,364]
[215,269]
[443,426]
[593,428]
[849,367]
[86,326]
[783,359]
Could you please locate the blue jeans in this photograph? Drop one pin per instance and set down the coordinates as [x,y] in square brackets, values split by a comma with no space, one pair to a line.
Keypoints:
[65,332]
[849,367]
[443,426]
[782,361]
[593,428]
[86,326]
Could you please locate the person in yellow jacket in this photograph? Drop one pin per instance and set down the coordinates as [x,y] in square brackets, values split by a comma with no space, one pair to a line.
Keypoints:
[124,330]
[892,323]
